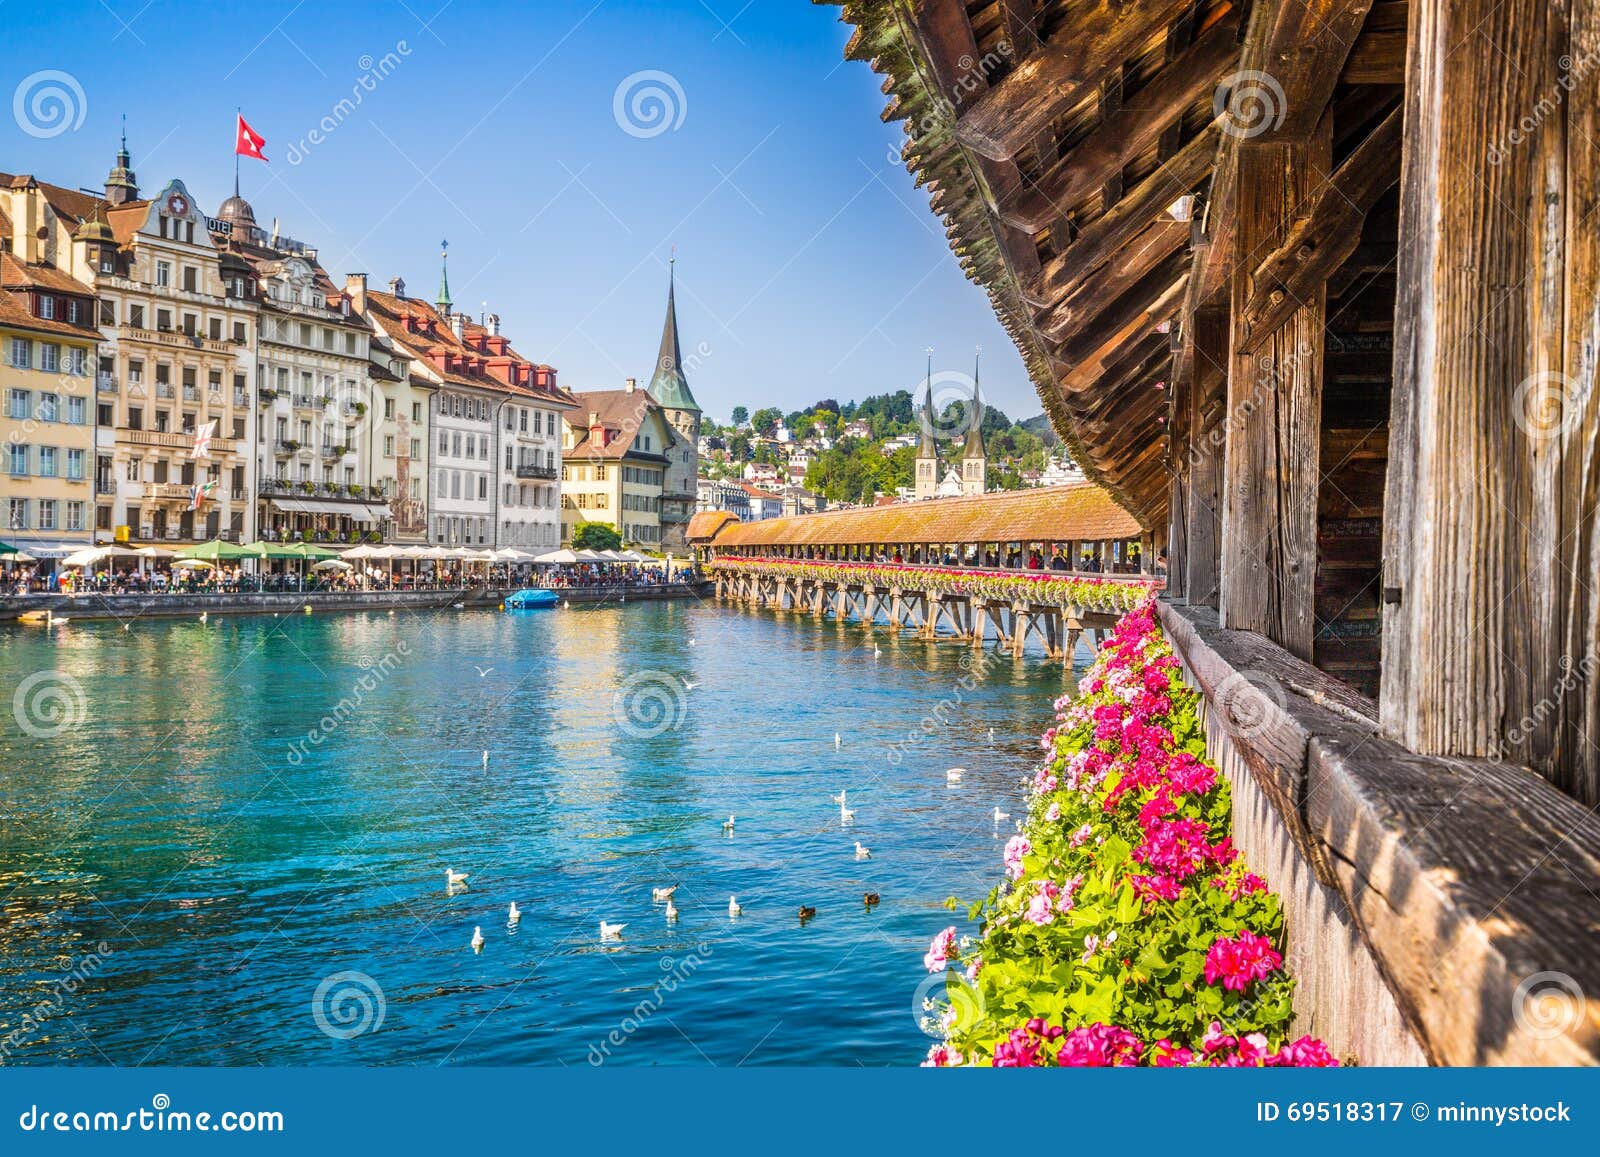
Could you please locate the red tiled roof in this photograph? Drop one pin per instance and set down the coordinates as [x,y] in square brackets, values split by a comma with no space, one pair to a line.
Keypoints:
[15,273]
[621,413]
[1050,514]
[390,313]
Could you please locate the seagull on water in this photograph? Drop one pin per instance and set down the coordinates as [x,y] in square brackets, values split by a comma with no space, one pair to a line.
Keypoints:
[204,615]
[689,686]
[846,814]
[659,894]
[611,931]
[1000,815]
[839,799]
[124,626]
[454,879]
[454,606]
[734,908]
[486,759]
[863,853]
[691,642]
[477,939]
[567,604]
[514,915]
[672,910]
[482,671]
[837,742]
[954,774]
[728,826]
[991,735]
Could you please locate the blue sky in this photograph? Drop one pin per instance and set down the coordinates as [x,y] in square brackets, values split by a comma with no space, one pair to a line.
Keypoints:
[809,266]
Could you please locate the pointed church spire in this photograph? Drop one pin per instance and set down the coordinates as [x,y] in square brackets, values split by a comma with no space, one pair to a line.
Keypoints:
[668,385]
[974,446]
[444,278]
[926,448]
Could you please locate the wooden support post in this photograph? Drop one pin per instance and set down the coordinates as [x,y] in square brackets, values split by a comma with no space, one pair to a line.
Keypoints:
[1207,402]
[1270,469]
[1019,628]
[979,611]
[896,608]
[1069,652]
[1491,621]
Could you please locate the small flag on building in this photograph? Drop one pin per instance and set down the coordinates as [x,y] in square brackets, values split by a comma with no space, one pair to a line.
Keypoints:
[248,142]
[200,493]
[202,440]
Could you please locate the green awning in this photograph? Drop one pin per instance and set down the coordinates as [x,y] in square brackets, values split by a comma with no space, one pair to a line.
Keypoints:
[216,550]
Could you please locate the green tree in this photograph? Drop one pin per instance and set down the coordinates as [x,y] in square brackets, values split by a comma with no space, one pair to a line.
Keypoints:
[765,421]
[740,415]
[596,536]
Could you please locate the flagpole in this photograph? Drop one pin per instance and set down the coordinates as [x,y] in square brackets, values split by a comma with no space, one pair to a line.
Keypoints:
[238,114]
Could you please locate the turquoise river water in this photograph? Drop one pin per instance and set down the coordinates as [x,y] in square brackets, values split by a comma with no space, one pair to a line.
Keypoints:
[227,842]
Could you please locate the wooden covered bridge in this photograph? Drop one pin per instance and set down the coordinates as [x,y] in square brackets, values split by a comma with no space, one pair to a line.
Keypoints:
[1035,565]
[1312,288]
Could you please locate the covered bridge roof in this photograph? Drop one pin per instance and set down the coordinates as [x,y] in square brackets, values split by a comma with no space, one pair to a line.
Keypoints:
[1079,511]
[1083,155]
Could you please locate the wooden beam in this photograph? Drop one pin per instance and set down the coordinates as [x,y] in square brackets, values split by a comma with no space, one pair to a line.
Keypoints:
[1379,53]
[1106,234]
[1065,70]
[1270,474]
[1089,333]
[1297,271]
[1081,375]
[1142,254]
[1127,131]
[1293,54]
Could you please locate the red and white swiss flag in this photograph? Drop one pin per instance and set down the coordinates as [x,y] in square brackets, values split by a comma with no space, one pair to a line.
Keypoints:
[249,141]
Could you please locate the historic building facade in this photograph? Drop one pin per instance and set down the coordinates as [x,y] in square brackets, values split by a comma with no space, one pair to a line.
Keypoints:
[47,360]
[616,464]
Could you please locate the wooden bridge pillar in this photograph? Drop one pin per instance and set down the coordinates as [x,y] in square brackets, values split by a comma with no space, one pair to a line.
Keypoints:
[977,610]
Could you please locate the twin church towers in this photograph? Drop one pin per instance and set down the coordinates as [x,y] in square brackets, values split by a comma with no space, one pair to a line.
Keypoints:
[972,477]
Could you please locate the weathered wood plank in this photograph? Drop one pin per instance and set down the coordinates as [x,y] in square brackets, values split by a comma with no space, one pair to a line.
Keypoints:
[1062,72]
[1108,233]
[1293,54]
[1270,474]
[1208,430]
[1127,130]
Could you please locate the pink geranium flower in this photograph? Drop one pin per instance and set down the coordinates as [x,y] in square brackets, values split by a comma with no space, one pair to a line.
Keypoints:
[940,951]
[1239,961]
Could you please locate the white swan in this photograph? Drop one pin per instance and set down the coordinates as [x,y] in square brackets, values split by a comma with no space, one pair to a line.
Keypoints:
[477,939]
[611,931]
[672,910]
[486,758]
[515,914]
[734,908]
[728,826]
[863,853]
[204,615]
[454,879]
[659,894]
[846,814]
[1000,815]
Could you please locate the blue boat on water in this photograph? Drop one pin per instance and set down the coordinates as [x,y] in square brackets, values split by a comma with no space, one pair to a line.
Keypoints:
[527,600]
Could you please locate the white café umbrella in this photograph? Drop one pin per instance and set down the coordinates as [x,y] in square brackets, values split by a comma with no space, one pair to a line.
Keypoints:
[588,556]
[332,564]
[91,555]
[630,556]
[363,551]
[151,552]
[562,557]
[193,563]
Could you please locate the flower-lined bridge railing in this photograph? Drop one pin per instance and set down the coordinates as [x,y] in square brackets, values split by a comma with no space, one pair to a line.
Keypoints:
[962,603]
